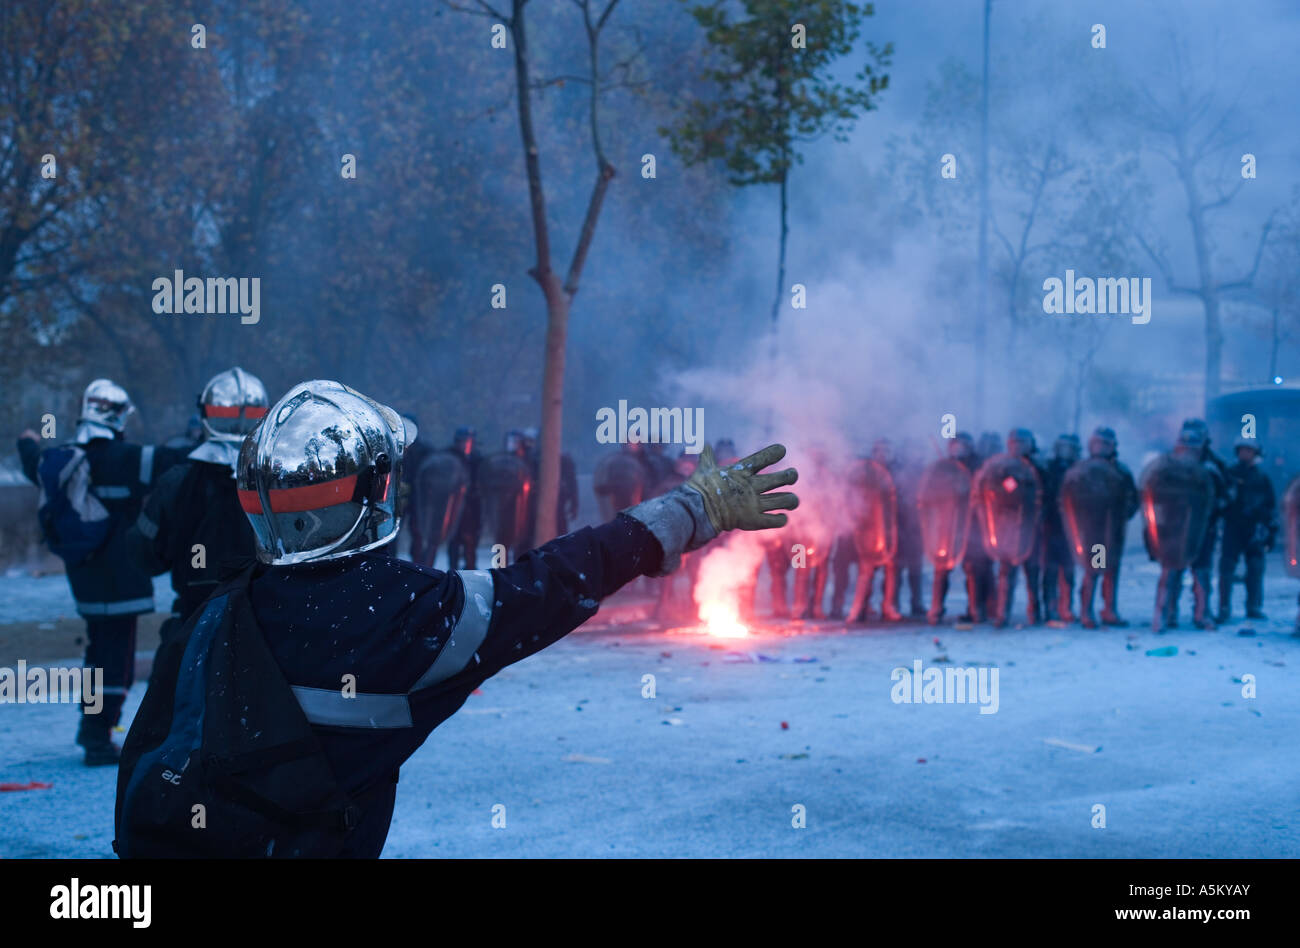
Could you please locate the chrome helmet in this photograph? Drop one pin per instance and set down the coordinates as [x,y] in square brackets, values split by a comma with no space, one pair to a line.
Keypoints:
[106,404]
[318,477]
[231,405]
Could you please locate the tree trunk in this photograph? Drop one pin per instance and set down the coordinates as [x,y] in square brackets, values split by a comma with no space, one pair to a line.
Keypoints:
[780,258]
[548,476]
[1272,356]
[1208,291]
[982,316]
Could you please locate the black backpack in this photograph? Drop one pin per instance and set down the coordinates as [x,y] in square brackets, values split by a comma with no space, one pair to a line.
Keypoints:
[220,760]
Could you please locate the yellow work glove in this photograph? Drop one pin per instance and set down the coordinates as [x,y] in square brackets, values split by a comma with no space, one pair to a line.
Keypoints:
[736,497]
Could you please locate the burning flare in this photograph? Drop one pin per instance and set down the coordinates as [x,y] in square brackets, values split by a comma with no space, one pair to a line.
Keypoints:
[720,619]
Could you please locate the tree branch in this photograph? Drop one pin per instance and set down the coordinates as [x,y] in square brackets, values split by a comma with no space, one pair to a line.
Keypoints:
[1163,267]
[1249,279]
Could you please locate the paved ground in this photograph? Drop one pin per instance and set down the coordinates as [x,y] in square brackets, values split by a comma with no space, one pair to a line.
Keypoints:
[586,766]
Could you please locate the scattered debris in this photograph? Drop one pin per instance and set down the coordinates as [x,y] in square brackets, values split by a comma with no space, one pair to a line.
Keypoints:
[920,760]
[1246,630]
[33,785]
[799,756]
[1163,652]
[477,691]
[785,725]
[675,722]
[1081,748]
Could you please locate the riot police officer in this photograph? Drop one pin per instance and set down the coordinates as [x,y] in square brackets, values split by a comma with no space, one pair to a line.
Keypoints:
[961,449]
[1195,437]
[1103,444]
[1021,444]
[1058,563]
[1249,529]
[462,546]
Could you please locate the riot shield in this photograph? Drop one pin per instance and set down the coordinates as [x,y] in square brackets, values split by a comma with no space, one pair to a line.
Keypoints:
[505,486]
[1092,509]
[1008,497]
[619,481]
[440,483]
[1291,516]
[1177,502]
[943,503]
[873,512]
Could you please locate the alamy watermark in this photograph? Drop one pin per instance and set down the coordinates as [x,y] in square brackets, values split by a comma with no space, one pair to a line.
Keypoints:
[1106,296]
[41,685]
[948,685]
[215,295]
[683,426]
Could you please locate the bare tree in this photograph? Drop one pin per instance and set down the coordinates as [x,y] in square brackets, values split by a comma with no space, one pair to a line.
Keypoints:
[1194,132]
[558,294]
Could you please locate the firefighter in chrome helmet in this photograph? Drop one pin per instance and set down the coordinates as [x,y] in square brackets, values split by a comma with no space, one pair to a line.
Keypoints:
[195,506]
[232,404]
[110,590]
[105,406]
[332,604]
[318,478]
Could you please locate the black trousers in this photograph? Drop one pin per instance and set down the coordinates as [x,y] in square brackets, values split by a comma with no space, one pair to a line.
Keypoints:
[110,645]
[1235,548]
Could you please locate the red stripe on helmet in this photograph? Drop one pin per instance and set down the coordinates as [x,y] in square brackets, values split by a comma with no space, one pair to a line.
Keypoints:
[307,497]
[232,411]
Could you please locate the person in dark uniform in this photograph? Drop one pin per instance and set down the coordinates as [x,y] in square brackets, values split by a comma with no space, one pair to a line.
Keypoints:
[961,448]
[110,590]
[192,524]
[977,565]
[907,559]
[1058,561]
[1022,444]
[420,544]
[1249,530]
[331,602]
[1103,443]
[1198,437]
[462,547]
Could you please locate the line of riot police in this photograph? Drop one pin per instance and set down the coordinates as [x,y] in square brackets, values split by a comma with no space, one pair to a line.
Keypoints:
[1002,512]
[996,511]
[457,494]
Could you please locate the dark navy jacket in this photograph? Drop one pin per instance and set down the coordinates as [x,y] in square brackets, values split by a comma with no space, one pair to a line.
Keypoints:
[194,503]
[417,641]
[111,583]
